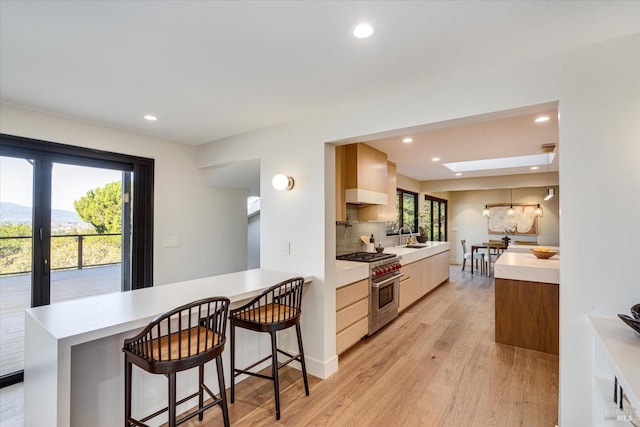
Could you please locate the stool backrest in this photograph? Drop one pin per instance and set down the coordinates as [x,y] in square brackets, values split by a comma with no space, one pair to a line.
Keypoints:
[464,246]
[186,332]
[279,303]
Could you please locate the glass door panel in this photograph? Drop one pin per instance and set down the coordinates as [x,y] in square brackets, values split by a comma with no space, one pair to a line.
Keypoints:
[86,231]
[16,248]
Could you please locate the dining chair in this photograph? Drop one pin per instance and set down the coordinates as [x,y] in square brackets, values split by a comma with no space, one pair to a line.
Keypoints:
[477,256]
[275,309]
[183,338]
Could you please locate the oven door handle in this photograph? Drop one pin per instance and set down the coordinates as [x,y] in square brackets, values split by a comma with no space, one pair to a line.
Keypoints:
[384,282]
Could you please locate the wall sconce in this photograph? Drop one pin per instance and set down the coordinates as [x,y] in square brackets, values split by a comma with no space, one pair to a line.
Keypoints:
[282,182]
[485,211]
[550,193]
[538,211]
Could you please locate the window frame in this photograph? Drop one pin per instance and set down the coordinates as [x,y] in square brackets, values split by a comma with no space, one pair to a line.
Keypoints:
[400,193]
[442,233]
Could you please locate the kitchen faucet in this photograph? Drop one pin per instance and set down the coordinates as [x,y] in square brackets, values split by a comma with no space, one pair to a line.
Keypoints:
[400,234]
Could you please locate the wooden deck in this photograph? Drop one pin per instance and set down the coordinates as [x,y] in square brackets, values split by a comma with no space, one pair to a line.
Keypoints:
[15,296]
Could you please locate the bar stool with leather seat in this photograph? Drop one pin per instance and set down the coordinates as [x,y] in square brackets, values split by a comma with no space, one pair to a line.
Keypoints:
[275,309]
[184,338]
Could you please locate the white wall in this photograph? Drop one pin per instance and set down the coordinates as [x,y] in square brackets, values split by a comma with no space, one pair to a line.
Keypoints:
[597,90]
[253,241]
[184,207]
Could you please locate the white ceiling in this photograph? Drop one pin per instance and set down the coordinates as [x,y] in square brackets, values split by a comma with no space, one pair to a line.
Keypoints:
[212,69]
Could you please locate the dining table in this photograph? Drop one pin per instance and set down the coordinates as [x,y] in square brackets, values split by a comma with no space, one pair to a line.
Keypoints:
[498,246]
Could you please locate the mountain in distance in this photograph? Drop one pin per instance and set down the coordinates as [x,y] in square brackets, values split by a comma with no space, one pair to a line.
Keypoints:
[19,214]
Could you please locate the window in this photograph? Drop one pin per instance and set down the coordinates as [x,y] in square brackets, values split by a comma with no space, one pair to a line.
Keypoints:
[434,218]
[407,213]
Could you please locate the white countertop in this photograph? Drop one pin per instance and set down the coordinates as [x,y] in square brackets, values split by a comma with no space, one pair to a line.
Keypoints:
[349,271]
[526,267]
[623,346]
[527,248]
[105,314]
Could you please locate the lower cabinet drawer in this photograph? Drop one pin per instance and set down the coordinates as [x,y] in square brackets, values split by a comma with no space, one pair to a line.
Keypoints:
[351,314]
[352,335]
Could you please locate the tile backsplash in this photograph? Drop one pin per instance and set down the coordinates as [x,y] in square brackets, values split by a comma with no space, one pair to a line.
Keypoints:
[348,237]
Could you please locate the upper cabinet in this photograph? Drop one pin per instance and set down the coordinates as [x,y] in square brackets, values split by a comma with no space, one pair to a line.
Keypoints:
[341,182]
[366,175]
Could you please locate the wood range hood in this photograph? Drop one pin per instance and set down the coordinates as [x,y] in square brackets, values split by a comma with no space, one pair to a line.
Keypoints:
[366,175]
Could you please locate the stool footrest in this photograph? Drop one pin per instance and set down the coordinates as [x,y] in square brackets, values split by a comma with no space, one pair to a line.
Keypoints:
[216,401]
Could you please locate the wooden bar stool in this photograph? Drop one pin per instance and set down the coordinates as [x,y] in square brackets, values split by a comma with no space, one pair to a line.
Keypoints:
[181,339]
[275,309]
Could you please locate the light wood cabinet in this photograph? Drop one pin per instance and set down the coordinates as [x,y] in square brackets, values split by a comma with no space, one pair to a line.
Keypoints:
[421,277]
[341,182]
[366,168]
[409,284]
[352,314]
[386,212]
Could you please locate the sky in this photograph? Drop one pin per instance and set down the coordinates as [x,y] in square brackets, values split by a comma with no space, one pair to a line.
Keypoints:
[69,182]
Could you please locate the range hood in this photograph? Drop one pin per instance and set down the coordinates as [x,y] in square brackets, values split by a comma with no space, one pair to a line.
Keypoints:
[361,196]
[366,175]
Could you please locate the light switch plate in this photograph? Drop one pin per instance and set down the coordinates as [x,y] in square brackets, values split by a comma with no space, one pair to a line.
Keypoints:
[286,248]
[171,242]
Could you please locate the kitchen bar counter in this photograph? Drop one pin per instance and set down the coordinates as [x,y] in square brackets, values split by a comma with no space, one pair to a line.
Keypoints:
[73,371]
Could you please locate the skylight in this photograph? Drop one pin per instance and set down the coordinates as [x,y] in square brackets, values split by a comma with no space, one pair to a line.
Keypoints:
[501,163]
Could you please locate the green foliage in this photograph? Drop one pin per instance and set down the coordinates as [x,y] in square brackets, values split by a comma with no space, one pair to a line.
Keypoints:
[15,254]
[102,208]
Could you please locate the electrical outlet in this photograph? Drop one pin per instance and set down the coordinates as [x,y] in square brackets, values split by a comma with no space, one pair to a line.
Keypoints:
[286,248]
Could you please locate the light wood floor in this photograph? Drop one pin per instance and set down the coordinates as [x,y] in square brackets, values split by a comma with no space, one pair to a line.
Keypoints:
[435,365]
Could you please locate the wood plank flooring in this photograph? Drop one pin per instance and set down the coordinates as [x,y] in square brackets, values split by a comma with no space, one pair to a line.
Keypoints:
[436,365]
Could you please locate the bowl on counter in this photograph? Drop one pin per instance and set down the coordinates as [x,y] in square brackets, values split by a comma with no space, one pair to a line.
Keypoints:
[541,252]
[379,249]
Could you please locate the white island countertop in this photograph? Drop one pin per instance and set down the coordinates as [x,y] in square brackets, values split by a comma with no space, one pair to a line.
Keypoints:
[526,267]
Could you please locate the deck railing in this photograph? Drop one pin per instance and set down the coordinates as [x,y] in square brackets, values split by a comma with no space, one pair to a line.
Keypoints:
[88,250]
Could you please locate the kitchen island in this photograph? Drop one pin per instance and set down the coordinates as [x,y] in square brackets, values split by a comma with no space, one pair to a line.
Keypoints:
[74,367]
[527,301]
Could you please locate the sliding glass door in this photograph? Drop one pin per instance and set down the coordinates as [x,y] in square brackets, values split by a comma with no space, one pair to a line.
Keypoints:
[16,254]
[67,231]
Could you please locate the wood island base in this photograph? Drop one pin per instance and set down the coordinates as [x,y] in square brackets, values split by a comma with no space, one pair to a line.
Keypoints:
[527,314]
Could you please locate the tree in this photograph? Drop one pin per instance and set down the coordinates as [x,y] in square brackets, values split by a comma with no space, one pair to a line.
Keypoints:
[102,208]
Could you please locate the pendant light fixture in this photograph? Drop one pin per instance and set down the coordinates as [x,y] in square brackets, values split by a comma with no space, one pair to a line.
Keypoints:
[511,211]
[538,211]
[548,148]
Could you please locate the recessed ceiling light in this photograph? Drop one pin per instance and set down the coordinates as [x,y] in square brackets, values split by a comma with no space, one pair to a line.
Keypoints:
[150,118]
[541,119]
[501,163]
[407,140]
[534,168]
[435,159]
[458,173]
[363,30]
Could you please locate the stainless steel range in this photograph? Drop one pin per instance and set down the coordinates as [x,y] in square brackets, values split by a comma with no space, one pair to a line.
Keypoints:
[384,284]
